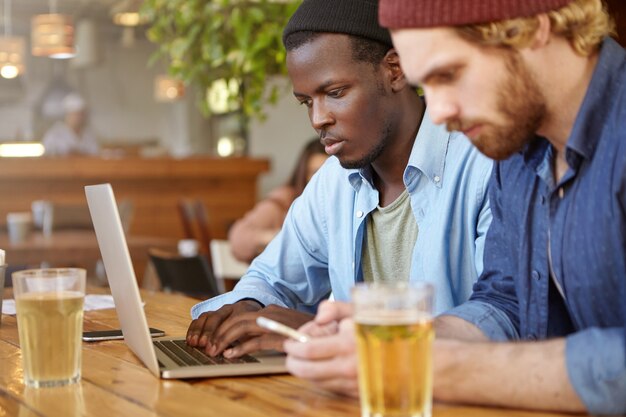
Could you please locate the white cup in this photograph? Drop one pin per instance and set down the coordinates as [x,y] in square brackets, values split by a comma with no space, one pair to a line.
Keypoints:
[38,208]
[188,247]
[18,225]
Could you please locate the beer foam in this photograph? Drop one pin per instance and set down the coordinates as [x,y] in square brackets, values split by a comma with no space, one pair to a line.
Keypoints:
[390,318]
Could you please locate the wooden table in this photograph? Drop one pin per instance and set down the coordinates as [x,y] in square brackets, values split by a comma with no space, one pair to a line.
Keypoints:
[77,248]
[115,383]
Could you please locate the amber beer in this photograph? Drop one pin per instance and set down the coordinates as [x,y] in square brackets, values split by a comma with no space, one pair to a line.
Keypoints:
[50,323]
[394,339]
[50,326]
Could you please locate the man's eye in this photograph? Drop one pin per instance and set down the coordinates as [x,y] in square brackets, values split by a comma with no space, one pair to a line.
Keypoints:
[307,103]
[443,77]
[336,93]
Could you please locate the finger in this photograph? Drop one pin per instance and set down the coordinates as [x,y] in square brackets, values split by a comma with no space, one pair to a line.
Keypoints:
[321,370]
[317,330]
[194,330]
[240,326]
[346,326]
[329,311]
[212,322]
[235,328]
[322,348]
[203,327]
[268,341]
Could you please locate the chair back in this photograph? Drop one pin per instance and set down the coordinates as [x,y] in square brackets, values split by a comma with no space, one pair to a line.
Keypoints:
[191,276]
[225,266]
[195,221]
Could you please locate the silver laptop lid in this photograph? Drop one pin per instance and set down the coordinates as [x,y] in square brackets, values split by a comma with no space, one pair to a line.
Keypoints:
[120,273]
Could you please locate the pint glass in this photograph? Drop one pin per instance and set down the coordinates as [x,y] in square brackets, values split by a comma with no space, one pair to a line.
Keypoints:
[394,329]
[49,305]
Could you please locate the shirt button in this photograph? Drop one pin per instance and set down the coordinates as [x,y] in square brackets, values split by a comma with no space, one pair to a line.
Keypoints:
[437,178]
[353,265]
[535,275]
[359,214]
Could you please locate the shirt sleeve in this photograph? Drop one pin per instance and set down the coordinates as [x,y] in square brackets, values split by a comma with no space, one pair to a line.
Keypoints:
[491,321]
[292,271]
[495,286]
[483,223]
[596,364]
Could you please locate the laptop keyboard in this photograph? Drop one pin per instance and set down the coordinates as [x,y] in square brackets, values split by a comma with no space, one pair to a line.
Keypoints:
[184,355]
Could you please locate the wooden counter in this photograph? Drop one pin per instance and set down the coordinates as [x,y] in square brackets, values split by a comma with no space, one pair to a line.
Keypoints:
[228,187]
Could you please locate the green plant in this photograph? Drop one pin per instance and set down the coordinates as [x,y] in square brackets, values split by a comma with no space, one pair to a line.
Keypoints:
[206,41]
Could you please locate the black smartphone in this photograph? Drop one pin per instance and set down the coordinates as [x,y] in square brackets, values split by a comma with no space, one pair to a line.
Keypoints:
[114,335]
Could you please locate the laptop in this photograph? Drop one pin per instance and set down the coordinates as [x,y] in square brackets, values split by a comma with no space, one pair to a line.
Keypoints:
[167,357]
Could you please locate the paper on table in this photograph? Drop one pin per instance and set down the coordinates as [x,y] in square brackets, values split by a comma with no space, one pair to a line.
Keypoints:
[92,302]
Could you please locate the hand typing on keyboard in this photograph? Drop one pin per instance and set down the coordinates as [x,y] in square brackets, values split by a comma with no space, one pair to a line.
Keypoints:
[233,332]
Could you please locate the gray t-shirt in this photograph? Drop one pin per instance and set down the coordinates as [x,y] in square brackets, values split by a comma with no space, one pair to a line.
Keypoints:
[391,235]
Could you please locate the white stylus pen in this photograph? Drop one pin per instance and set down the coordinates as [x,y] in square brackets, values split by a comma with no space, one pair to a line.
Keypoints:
[280,328]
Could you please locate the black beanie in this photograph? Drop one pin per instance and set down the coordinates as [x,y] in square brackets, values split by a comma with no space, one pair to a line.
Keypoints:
[350,17]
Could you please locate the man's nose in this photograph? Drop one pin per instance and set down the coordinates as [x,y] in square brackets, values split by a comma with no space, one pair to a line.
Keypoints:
[441,107]
[320,115]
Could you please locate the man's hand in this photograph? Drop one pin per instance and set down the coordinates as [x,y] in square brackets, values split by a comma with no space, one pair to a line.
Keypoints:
[329,359]
[235,324]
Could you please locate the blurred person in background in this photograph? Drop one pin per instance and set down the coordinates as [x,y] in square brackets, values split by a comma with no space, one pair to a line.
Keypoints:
[72,135]
[250,234]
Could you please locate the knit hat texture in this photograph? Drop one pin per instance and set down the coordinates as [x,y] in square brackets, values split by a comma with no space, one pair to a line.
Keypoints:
[350,17]
[397,14]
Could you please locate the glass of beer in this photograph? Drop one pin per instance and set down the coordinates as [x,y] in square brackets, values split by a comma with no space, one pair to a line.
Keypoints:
[394,329]
[49,305]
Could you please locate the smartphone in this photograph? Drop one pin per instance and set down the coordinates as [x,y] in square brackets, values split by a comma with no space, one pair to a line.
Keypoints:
[114,335]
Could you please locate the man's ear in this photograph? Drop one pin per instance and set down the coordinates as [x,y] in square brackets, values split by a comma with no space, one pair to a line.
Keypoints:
[543,32]
[391,63]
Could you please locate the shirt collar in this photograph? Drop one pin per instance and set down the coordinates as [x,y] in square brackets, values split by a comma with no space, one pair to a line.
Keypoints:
[429,151]
[599,99]
[596,105]
[428,155]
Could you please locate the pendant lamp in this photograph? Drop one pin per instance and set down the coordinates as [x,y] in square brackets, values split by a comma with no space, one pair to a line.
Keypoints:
[11,48]
[52,34]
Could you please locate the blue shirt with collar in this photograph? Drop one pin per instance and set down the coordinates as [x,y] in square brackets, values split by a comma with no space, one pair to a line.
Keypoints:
[319,247]
[580,225]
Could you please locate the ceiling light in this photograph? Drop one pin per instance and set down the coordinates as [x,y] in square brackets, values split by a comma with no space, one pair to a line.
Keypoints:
[126,13]
[11,48]
[168,89]
[21,149]
[11,56]
[52,35]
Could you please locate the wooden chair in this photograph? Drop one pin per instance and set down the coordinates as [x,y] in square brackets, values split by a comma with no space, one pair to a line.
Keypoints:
[195,221]
[191,276]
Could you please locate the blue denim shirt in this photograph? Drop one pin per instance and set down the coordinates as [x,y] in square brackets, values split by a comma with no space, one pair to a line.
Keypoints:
[319,247]
[583,220]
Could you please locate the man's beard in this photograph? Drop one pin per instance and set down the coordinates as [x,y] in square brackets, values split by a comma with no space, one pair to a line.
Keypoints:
[373,154]
[523,106]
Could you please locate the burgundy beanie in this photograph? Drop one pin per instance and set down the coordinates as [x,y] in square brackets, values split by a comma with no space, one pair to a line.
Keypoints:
[396,14]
